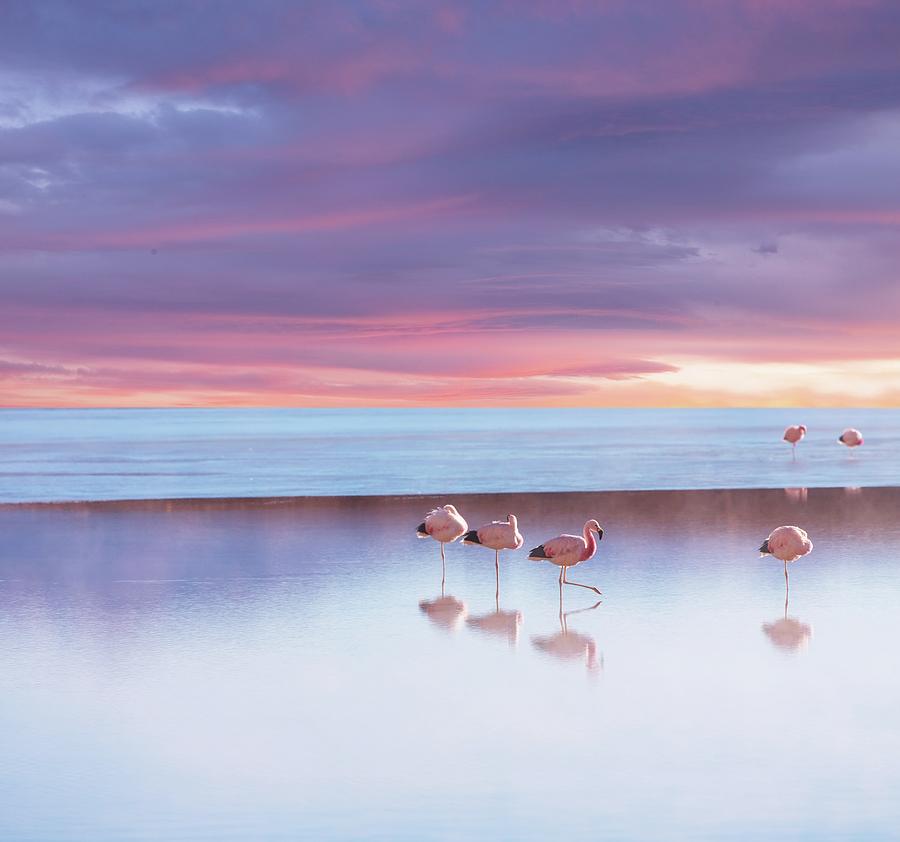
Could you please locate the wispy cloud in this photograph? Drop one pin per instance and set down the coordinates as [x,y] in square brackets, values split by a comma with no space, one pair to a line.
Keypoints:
[404,203]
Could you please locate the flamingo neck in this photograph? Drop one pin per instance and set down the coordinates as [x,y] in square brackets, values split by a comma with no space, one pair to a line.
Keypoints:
[591,543]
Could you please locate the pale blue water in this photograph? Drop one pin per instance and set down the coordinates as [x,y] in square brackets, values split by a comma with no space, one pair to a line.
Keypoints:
[263,673]
[55,455]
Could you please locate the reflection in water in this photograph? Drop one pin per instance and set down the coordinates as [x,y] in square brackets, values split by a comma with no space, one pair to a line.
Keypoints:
[501,623]
[788,633]
[445,611]
[568,645]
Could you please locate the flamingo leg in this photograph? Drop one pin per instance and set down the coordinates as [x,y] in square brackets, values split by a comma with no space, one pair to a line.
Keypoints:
[787,589]
[497,573]
[579,585]
[443,569]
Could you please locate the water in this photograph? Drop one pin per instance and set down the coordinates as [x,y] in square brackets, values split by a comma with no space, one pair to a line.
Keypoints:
[56,455]
[265,672]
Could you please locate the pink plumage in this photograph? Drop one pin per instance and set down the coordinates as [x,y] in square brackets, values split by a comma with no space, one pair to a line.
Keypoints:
[794,433]
[787,543]
[444,525]
[569,550]
[497,535]
[851,437]
[566,551]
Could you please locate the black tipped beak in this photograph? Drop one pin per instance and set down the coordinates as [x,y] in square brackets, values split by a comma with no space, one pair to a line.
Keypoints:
[600,534]
[765,547]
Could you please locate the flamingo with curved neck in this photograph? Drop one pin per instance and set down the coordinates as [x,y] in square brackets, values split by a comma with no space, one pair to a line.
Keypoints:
[568,550]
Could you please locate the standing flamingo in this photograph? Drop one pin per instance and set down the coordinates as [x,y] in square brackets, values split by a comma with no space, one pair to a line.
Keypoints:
[794,434]
[569,550]
[497,535]
[445,525]
[851,437]
[787,544]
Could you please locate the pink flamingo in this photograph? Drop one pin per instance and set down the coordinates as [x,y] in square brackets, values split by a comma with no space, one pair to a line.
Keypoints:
[497,535]
[851,437]
[787,544]
[568,550]
[445,525]
[793,435]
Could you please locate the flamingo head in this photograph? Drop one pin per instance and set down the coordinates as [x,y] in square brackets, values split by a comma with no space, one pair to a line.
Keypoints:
[803,429]
[512,521]
[593,526]
[451,509]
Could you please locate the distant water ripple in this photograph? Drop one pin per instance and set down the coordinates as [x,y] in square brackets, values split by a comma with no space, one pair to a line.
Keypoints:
[66,455]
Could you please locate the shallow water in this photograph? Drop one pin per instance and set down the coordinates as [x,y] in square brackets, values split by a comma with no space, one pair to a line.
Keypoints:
[48,455]
[215,671]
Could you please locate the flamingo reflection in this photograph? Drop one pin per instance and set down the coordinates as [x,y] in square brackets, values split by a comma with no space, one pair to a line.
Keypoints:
[788,633]
[501,623]
[445,611]
[568,645]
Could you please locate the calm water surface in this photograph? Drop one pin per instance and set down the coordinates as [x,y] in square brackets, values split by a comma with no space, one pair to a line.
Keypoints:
[133,454]
[197,672]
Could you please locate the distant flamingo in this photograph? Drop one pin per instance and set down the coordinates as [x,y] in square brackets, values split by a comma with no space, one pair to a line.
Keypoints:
[445,525]
[793,435]
[497,535]
[568,550]
[851,437]
[787,544]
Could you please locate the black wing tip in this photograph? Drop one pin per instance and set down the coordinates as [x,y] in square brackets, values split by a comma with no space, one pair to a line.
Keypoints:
[765,547]
[471,537]
[420,529]
[537,552]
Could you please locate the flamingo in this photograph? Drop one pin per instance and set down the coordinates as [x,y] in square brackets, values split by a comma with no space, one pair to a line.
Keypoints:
[794,434]
[787,544]
[497,535]
[568,550]
[445,525]
[851,437]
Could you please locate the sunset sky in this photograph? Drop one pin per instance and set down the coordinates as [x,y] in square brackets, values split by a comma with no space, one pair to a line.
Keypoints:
[668,203]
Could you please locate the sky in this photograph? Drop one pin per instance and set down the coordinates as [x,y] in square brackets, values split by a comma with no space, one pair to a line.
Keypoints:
[391,203]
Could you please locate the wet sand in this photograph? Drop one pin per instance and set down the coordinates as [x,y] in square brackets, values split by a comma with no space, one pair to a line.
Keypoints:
[289,669]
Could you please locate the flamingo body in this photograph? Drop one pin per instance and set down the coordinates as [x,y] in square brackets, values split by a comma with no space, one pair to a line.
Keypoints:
[569,550]
[787,544]
[851,437]
[444,524]
[497,535]
[794,433]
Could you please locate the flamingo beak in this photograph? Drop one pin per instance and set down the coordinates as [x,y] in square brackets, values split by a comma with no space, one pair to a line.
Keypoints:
[600,534]
[764,549]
